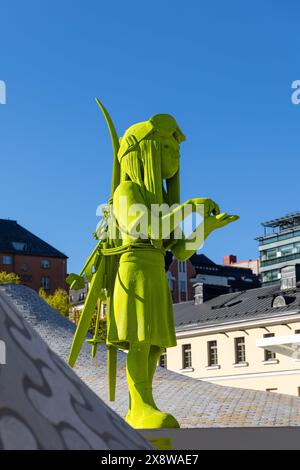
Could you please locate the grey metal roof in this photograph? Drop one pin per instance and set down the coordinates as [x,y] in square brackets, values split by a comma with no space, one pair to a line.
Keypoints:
[11,232]
[236,306]
[194,403]
[197,260]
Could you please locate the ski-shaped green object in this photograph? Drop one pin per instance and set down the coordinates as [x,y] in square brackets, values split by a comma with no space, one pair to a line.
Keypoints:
[87,312]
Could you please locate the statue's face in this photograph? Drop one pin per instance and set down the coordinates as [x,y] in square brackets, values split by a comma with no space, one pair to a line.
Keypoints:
[170,156]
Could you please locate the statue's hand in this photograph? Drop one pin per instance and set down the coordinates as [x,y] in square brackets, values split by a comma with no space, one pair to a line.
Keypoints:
[214,222]
[208,206]
[75,281]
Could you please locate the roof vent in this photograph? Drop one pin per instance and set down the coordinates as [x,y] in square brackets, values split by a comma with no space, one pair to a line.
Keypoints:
[279,301]
[283,300]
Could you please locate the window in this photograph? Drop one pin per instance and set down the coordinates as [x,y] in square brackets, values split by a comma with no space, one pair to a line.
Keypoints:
[212,353]
[81,296]
[186,356]
[286,250]
[71,298]
[45,283]
[297,332]
[183,291]
[271,389]
[24,267]
[19,246]
[182,286]
[182,266]
[270,254]
[7,260]
[297,247]
[298,391]
[269,355]
[45,264]
[240,350]
[272,275]
[163,359]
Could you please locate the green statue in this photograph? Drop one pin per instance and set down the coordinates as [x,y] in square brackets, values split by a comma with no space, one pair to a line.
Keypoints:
[142,220]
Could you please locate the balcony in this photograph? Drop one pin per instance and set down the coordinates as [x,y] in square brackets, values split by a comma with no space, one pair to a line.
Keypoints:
[276,237]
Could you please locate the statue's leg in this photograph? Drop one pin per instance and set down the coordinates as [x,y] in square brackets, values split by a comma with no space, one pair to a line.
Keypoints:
[154,355]
[143,412]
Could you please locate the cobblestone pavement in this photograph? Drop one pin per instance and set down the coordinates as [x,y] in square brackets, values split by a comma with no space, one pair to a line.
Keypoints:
[194,403]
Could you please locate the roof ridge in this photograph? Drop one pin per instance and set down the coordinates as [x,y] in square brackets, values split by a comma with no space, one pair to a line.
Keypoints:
[11,231]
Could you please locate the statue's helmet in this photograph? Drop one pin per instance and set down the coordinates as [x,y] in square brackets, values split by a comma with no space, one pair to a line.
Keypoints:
[163,125]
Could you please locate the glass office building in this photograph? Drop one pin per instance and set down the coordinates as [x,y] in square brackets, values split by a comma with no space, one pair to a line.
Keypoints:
[279,247]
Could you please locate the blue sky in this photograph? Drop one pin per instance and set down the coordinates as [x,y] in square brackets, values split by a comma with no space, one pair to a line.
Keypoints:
[223,69]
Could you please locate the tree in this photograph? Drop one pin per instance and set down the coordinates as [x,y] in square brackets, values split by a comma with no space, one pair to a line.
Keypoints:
[59,300]
[9,278]
[102,328]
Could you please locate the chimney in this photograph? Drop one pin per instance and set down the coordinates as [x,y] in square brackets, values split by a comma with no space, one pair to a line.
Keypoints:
[290,275]
[199,293]
[229,259]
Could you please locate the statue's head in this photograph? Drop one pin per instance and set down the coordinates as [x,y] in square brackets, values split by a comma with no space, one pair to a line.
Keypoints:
[149,153]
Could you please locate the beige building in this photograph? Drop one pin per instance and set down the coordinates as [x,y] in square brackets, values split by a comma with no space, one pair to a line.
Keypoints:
[253,264]
[248,339]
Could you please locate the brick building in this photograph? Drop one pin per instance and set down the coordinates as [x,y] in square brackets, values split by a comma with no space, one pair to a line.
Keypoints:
[36,262]
[215,279]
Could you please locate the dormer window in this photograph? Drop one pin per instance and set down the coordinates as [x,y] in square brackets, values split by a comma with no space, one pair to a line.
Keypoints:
[19,246]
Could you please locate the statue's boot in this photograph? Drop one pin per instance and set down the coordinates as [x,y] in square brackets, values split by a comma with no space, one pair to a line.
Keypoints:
[144,415]
[140,367]
[147,397]
[154,355]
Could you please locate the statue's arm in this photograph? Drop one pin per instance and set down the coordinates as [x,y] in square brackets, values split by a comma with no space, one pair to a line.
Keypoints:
[184,248]
[131,211]
[135,217]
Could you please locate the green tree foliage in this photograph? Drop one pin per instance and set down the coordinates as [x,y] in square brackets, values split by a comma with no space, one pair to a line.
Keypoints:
[9,278]
[102,330]
[59,300]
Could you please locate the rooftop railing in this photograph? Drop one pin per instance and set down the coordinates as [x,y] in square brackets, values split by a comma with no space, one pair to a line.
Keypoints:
[278,237]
